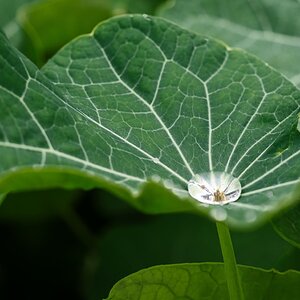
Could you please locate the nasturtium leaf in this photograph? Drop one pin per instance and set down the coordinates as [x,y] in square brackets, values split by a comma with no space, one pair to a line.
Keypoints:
[141,105]
[268,28]
[288,226]
[204,281]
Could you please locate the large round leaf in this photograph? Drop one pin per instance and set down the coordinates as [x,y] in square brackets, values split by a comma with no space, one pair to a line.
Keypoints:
[141,100]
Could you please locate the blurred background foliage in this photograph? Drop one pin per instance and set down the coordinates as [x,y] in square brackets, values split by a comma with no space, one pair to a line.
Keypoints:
[76,245]
[41,27]
[73,244]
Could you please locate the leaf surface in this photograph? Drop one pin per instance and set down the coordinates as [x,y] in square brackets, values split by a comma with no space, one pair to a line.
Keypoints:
[269,29]
[141,100]
[204,281]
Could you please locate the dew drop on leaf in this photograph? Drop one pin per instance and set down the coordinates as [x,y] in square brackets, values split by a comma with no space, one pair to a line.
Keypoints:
[155,160]
[219,213]
[217,188]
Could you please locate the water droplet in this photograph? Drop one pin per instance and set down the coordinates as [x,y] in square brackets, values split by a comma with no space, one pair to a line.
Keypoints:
[168,183]
[145,16]
[219,214]
[155,160]
[156,178]
[217,188]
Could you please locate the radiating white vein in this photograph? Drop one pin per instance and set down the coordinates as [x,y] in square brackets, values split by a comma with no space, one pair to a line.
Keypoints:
[35,120]
[206,94]
[272,170]
[209,128]
[148,105]
[115,134]
[69,157]
[33,116]
[271,187]
[255,160]
[243,132]
[258,141]
[209,111]
[28,110]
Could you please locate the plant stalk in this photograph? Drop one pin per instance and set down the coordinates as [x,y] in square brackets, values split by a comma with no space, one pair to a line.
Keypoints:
[231,270]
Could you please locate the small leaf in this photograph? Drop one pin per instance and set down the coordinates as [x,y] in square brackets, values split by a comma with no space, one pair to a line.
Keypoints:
[288,226]
[269,29]
[204,281]
[139,107]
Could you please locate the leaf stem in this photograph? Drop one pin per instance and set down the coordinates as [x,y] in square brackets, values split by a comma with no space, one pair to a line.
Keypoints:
[231,270]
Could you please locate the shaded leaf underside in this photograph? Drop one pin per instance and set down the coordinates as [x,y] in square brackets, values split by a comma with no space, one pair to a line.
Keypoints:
[142,99]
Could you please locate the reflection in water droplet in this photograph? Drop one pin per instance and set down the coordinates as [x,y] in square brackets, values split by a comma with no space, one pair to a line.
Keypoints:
[219,214]
[216,188]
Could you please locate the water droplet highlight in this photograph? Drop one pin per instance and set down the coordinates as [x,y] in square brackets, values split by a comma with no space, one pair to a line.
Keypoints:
[156,178]
[168,183]
[155,160]
[217,188]
[219,214]
[147,17]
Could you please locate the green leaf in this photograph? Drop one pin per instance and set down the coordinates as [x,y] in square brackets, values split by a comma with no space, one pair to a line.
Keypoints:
[204,281]
[176,238]
[72,18]
[138,107]
[288,226]
[35,34]
[269,29]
